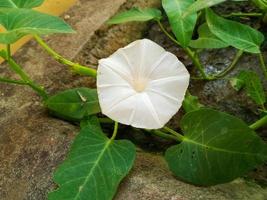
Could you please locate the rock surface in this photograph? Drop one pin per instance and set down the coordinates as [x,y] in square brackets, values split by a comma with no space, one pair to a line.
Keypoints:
[151,180]
[33,144]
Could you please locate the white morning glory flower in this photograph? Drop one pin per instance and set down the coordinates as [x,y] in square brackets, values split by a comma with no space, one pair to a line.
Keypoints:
[141,85]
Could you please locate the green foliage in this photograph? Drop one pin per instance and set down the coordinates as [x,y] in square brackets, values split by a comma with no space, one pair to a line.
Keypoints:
[235,34]
[262,4]
[21,22]
[207,40]
[74,104]
[136,14]
[237,83]
[201,4]
[252,83]
[217,148]
[94,167]
[20,3]
[191,103]
[182,27]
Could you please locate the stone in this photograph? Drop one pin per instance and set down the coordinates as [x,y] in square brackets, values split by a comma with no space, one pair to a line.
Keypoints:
[150,179]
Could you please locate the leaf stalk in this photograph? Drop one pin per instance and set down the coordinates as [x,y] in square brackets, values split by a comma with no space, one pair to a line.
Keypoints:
[11,81]
[193,55]
[263,65]
[241,14]
[179,136]
[77,68]
[115,131]
[231,66]
[8,48]
[164,135]
[260,123]
[26,80]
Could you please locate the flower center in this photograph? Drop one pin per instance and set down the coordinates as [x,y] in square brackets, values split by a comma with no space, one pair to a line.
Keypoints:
[139,85]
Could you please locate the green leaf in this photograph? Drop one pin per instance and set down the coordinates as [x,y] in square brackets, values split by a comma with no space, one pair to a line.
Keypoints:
[21,22]
[252,83]
[20,3]
[217,148]
[92,120]
[94,167]
[191,103]
[201,4]
[207,40]
[182,27]
[136,14]
[235,34]
[237,83]
[74,104]
[262,4]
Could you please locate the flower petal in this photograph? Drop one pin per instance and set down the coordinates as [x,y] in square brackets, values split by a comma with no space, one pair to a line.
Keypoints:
[141,85]
[142,54]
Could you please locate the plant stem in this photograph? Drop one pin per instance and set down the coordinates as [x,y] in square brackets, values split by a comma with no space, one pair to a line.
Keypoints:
[193,55]
[164,135]
[231,66]
[11,81]
[260,123]
[77,68]
[265,18]
[240,14]
[8,48]
[179,136]
[263,65]
[24,76]
[106,120]
[195,58]
[115,131]
[167,33]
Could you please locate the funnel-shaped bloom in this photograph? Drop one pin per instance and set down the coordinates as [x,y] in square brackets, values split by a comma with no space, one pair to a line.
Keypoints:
[141,85]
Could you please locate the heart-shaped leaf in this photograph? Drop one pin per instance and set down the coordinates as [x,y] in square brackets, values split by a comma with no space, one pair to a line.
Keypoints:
[94,167]
[136,14]
[74,104]
[201,4]
[252,83]
[207,40]
[20,22]
[182,27]
[216,148]
[235,34]
[191,103]
[20,3]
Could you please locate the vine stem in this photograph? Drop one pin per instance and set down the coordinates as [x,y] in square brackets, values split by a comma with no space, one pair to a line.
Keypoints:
[260,123]
[195,58]
[179,136]
[11,81]
[8,48]
[115,131]
[231,66]
[263,65]
[241,14]
[26,80]
[77,68]
[164,135]
[193,55]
